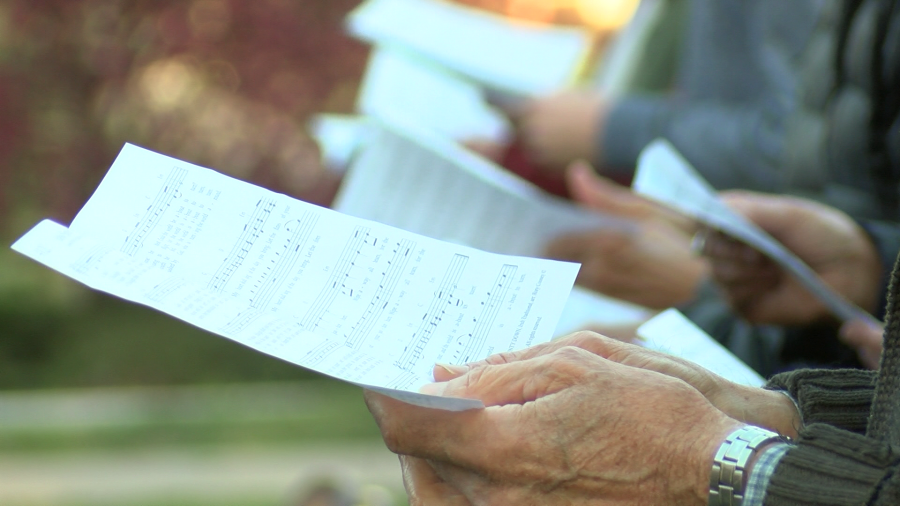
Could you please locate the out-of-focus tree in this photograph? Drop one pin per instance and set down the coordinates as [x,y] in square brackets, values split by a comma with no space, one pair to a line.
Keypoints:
[223,83]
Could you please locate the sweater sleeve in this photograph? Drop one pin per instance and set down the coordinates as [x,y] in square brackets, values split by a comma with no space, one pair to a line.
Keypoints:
[732,147]
[886,238]
[829,466]
[841,398]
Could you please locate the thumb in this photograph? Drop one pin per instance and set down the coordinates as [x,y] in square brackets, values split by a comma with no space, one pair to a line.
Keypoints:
[860,333]
[601,194]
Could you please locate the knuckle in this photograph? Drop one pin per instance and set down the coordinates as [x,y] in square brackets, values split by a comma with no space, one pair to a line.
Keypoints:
[473,378]
[585,340]
[391,439]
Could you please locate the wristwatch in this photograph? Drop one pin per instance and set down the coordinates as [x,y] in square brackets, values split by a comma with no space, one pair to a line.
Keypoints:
[726,482]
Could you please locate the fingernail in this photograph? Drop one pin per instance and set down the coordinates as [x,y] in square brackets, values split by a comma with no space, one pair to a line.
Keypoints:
[455,370]
[433,389]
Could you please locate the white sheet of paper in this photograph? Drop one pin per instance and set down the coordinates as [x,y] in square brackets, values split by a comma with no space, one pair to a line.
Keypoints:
[665,176]
[339,137]
[586,309]
[353,299]
[398,84]
[671,332]
[431,186]
[522,58]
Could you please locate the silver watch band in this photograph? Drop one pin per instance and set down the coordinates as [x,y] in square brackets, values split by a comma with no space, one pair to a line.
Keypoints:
[726,482]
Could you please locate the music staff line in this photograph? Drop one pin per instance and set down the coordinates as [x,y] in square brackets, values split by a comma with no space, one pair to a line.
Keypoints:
[251,232]
[379,302]
[163,199]
[489,312]
[420,338]
[335,283]
[275,275]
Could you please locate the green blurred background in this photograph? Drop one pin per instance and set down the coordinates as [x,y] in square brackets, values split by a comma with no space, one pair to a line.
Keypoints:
[102,402]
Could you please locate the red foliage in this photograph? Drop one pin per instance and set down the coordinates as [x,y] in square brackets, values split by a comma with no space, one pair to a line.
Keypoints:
[223,83]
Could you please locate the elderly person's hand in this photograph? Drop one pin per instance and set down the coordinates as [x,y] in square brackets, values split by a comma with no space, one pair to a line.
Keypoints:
[566,427]
[652,266]
[828,240]
[755,406]
[561,128]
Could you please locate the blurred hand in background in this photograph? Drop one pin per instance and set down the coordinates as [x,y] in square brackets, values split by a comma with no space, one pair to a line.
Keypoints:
[561,128]
[650,264]
[828,240]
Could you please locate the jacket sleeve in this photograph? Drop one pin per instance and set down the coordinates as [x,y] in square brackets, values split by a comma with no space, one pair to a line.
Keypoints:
[841,398]
[886,238]
[835,467]
[731,146]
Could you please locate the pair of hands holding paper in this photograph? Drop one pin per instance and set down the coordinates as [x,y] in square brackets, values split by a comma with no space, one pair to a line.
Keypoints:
[582,420]
[590,420]
[828,240]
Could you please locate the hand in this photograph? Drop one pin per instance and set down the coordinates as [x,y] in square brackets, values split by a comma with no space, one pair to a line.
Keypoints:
[425,488]
[753,406]
[561,128]
[487,148]
[652,266]
[867,339]
[568,427]
[829,241]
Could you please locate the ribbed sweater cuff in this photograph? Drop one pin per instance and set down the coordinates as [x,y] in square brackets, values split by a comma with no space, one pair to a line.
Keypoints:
[633,122]
[828,466]
[842,398]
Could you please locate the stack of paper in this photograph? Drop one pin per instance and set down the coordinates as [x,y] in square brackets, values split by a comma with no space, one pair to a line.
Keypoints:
[429,185]
[398,84]
[519,58]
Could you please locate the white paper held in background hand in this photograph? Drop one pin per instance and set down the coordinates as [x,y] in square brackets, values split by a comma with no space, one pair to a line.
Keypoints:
[672,333]
[665,176]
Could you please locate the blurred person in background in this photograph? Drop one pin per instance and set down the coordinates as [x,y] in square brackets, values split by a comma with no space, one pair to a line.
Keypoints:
[621,424]
[735,85]
[835,150]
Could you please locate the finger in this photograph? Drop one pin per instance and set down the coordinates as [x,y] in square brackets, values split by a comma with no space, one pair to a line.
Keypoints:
[601,194]
[783,306]
[480,488]
[486,148]
[587,340]
[729,272]
[446,372]
[471,439]
[516,382]
[718,246]
[425,488]
[859,333]
[772,213]
[579,247]
[569,247]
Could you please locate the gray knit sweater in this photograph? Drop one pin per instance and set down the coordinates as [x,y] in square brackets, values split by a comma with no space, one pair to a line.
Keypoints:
[849,451]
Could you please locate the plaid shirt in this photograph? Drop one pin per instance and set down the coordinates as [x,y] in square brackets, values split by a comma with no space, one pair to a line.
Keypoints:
[762,472]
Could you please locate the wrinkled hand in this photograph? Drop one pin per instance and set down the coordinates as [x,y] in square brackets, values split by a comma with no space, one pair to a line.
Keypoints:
[754,406]
[567,427]
[652,266]
[425,488]
[829,241]
[561,128]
